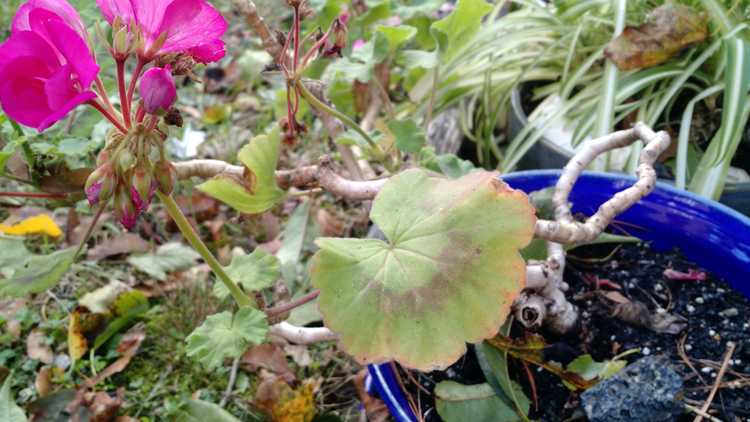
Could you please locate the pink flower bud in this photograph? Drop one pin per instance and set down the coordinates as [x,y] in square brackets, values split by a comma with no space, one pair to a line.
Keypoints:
[99,185]
[157,90]
[124,208]
[142,184]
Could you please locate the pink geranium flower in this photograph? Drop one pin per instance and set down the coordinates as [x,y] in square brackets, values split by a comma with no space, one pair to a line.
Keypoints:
[192,27]
[46,66]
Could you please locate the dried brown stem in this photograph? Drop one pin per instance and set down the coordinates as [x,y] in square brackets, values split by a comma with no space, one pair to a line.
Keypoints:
[248,9]
[719,377]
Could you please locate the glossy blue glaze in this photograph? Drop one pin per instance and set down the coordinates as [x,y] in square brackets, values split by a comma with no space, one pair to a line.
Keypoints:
[712,235]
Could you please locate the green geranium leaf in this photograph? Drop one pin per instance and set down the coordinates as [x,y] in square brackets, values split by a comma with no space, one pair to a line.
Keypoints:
[446,275]
[33,273]
[396,35]
[589,369]
[168,258]
[455,30]
[254,272]
[477,403]
[257,190]
[9,410]
[409,136]
[202,411]
[224,335]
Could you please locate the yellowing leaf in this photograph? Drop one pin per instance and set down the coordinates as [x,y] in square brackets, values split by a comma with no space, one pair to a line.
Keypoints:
[441,279]
[40,224]
[667,30]
[283,404]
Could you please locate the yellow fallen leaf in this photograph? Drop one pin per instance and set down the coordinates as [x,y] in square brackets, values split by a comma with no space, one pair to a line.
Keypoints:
[39,224]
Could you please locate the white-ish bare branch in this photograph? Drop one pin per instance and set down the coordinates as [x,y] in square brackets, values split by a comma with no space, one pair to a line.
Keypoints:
[302,335]
[564,229]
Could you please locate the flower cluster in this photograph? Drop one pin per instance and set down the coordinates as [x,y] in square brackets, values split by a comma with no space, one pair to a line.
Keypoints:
[48,67]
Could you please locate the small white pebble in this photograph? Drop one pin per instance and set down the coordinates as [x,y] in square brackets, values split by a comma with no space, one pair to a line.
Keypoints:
[539,369]
[711,333]
[699,300]
[713,374]
[745,326]
[646,351]
[706,369]
[612,338]
[738,361]
[688,347]
[690,308]
[661,311]
[658,287]
[720,290]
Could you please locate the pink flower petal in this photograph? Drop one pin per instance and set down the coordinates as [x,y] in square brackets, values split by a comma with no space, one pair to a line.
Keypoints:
[158,90]
[61,8]
[22,93]
[112,8]
[75,51]
[149,14]
[192,23]
[60,113]
[27,43]
[208,53]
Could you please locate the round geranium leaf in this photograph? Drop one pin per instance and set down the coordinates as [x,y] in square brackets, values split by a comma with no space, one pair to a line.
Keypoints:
[446,275]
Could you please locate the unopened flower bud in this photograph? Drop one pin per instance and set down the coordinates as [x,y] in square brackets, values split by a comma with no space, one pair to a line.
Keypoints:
[125,160]
[121,44]
[99,185]
[166,176]
[124,207]
[158,90]
[142,184]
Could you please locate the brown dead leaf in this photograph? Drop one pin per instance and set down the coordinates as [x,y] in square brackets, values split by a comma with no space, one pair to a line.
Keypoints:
[375,409]
[299,353]
[83,325]
[615,296]
[284,404]
[71,222]
[65,181]
[77,234]
[120,244]
[8,311]
[268,356]
[668,29]
[37,347]
[199,206]
[175,281]
[331,225]
[127,348]
[43,381]
[102,406]
[637,313]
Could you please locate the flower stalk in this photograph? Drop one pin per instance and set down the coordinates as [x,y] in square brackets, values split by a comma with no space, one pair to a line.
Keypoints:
[195,241]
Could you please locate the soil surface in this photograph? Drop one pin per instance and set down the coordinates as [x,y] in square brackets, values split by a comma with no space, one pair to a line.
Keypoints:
[715,313]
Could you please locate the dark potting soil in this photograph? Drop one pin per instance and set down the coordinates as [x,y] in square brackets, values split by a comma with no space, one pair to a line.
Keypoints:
[715,313]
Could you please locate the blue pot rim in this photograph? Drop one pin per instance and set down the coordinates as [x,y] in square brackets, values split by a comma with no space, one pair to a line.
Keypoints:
[381,376]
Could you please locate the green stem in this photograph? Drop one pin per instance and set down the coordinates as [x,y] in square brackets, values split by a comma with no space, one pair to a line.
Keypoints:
[195,241]
[312,99]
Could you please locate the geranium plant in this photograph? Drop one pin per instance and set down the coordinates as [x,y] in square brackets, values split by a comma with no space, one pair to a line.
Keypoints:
[448,270]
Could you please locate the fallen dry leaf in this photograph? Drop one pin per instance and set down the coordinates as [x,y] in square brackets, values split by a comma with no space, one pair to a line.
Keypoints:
[331,225]
[8,311]
[100,299]
[82,326]
[299,353]
[615,296]
[284,404]
[127,348]
[43,381]
[268,356]
[121,244]
[668,29]
[37,347]
[40,224]
[637,313]
[102,406]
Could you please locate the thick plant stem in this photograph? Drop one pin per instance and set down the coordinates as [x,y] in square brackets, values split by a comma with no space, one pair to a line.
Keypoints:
[195,241]
[134,79]
[320,105]
[109,116]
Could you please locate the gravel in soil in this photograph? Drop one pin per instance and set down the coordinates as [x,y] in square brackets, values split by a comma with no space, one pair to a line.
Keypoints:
[715,313]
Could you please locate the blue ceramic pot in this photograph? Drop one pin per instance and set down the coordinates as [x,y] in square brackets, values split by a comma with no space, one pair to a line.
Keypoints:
[708,233]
